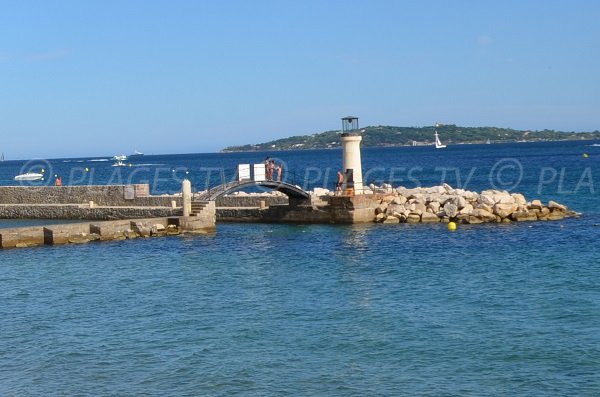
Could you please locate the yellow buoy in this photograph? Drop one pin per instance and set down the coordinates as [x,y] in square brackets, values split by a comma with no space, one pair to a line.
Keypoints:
[130,164]
[43,170]
[585,155]
[87,169]
[451,226]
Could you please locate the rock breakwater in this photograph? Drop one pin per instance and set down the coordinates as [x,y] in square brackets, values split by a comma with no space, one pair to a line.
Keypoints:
[444,204]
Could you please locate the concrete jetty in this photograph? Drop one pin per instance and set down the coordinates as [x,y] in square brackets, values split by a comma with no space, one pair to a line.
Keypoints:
[113,212]
[85,232]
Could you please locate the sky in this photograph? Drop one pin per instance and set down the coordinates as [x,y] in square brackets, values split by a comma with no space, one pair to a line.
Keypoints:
[88,78]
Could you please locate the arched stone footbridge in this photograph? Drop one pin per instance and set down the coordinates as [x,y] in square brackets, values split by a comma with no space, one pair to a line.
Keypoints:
[288,189]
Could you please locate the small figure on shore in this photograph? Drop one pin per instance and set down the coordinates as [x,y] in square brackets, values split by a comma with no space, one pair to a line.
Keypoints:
[279,171]
[340,181]
[58,181]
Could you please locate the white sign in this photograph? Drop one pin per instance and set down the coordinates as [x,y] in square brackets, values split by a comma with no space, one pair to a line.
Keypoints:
[259,172]
[243,172]
[129,192]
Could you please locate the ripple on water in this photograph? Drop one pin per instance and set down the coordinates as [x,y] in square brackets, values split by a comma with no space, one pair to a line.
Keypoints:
[334,310]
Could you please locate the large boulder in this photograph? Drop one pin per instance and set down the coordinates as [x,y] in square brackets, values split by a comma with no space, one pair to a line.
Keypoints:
[556,215]
[536,205]
[504,198]
[392,208]
[413,218]
[434,206]
[524,216]
[483,215]
[428,217]
[553,205]
[486,199]
[450,209]
[467,209]
[436,190]
[519,198]
[399,200]
[460,202]
[504,210]
[380,209]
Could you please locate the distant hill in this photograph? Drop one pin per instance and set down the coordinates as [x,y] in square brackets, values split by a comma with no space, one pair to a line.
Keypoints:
[409,136]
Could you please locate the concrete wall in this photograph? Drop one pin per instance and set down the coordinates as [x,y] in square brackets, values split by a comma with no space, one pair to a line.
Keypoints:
[78,233]
[110,195]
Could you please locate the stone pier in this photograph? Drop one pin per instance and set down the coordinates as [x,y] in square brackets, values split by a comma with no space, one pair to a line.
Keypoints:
[79,233]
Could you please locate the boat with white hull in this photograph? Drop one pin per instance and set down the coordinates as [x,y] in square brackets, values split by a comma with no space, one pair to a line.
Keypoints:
[29,176]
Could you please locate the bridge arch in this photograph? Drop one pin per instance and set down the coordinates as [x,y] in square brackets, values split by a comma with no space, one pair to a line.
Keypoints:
[288,189]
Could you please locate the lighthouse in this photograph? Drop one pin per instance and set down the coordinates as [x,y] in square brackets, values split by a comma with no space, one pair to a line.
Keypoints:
[351,138]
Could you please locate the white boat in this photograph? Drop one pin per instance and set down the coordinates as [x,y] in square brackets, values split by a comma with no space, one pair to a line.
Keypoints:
[119,164]
[438,143]
[137,153]
[488,142]
[120,157]
[30,176]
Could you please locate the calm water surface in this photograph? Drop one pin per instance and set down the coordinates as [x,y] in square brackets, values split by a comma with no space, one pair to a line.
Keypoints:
[321,310]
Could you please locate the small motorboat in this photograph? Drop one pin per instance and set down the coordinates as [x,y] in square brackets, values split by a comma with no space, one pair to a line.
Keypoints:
[119,164]
[120,157]
[30,176]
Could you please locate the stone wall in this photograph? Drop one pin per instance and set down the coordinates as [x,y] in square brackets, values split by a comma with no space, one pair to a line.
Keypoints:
[82,212]
[109,195]
[251,200]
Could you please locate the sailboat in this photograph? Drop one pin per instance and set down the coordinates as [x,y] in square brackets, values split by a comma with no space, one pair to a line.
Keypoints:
[438,143]
[2,157]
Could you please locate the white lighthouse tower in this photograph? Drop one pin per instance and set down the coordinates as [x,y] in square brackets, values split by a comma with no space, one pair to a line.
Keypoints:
[351,139]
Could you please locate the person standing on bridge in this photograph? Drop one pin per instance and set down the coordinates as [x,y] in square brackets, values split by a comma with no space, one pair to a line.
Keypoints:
[267,164]
[271,170]
[279,171]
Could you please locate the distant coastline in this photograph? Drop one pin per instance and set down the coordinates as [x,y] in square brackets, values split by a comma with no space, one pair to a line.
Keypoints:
[391,136]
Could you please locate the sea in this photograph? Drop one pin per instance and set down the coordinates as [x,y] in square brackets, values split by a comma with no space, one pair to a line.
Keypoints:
[317,310]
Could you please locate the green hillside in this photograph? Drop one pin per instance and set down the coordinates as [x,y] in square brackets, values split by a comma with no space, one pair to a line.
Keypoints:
[408,136]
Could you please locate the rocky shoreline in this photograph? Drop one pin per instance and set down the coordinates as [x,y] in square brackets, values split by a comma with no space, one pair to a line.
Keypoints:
[446,204]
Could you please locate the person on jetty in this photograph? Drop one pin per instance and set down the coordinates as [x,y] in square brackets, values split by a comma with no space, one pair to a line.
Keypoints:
[279,171]
[267,162]
[271,170]
[58,181]
[339,183]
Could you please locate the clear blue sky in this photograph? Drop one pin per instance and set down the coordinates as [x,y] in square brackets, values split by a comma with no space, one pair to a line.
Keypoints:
[87,78]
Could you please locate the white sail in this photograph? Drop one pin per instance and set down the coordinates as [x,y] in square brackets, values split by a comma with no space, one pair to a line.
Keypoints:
[438,143]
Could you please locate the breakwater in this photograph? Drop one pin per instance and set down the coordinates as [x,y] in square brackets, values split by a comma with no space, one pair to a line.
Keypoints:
[398,205]
[445,204]
[85,232]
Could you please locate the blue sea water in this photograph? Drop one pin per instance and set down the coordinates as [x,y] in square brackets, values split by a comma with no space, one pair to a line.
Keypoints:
[264,309]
